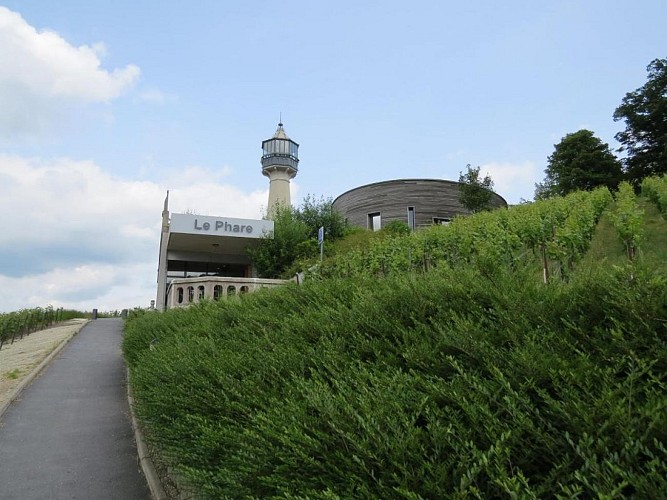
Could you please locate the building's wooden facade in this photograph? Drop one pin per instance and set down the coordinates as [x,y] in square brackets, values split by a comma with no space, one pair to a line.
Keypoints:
[418,202]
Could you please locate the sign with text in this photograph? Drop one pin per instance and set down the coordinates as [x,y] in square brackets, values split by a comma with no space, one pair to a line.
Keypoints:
[219,226]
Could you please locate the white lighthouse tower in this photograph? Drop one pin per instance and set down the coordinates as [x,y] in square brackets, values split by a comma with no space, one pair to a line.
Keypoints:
[280,163]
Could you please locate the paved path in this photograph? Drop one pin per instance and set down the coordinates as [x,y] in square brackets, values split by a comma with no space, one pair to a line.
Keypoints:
[68,436]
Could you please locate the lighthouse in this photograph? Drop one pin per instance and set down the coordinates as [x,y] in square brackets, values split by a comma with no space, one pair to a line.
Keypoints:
[280,163]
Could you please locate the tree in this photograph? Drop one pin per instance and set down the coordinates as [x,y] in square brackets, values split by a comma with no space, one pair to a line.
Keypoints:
[475,193]
[295,236]
[580,161]
[320,213]
[544,190]
[645,136]
[276,253]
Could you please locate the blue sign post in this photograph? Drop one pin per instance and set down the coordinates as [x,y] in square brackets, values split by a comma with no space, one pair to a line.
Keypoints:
[320,241]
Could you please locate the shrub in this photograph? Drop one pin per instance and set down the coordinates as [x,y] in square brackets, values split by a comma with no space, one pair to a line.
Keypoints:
[450,383]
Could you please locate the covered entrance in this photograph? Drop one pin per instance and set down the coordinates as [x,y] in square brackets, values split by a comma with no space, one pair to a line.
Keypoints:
[207,257]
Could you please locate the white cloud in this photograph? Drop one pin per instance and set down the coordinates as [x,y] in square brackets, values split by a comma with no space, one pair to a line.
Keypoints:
[41,73]
[202,189]
[47,63]
[513,181]
[74,234]
[82,287]
[196,174]
[155,96]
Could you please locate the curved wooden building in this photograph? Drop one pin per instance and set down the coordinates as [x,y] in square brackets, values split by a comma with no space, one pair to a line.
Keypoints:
[418,202]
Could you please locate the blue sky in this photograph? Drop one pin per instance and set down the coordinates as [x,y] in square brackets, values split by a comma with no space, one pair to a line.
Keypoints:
[108,104]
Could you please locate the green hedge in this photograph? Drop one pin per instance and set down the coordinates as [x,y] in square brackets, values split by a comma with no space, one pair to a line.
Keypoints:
[655,188]
[446,384]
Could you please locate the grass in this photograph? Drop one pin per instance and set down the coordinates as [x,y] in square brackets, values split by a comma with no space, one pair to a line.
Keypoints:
[13,374]
[653,248]
[606,247]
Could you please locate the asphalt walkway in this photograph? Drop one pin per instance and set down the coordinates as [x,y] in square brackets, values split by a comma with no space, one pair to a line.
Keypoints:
[69,436]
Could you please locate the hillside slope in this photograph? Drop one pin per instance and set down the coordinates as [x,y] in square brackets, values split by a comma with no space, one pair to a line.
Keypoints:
[608,249]
[429,377]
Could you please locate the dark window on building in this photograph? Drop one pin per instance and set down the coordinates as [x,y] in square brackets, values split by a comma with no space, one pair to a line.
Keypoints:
[217,292]
[191,293]
[443,221]
[200,292]
[180,294]
[411,218]
[374,221]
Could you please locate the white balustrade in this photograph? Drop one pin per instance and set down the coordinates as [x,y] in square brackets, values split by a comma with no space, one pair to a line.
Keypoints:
[182,292]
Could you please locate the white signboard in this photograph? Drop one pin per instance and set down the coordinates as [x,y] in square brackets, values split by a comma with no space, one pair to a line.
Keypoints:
[219,226]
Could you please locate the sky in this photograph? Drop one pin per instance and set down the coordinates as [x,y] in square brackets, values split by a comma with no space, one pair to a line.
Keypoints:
[104,106]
